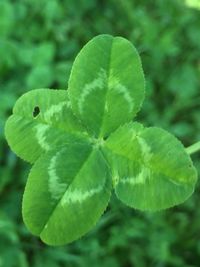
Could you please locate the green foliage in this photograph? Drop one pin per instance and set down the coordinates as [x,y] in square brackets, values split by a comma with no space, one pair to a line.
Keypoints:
[63,201]
[106,85]
[166,34]
[70,183]
[146,171]
[52,126]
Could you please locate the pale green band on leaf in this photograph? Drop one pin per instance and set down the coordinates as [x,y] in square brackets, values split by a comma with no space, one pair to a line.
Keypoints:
[152,170]
[106,85]
[71,188]
[30,134]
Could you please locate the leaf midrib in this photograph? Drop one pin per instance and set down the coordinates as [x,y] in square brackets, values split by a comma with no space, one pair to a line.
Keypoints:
[107,83]
[60,200]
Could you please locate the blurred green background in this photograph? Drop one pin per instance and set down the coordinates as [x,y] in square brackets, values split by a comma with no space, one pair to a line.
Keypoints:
[39,40]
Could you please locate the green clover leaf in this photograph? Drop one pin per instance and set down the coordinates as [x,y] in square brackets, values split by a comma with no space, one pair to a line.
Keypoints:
[82,144]
[106,85]
[67,191]
[151,171]
[42,119]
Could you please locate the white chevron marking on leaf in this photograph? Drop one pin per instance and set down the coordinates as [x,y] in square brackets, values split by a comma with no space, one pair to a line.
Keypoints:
[55,187]
[124,91]
[41,131]
[54,110]
[77,195]
[97,83]
[141,178]
[116,86]
[146,150]
[145,173]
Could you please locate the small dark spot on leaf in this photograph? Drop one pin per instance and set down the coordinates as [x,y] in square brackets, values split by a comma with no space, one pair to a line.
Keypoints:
[36,112]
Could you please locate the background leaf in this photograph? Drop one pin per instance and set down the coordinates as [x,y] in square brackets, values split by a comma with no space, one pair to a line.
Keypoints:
[166,34]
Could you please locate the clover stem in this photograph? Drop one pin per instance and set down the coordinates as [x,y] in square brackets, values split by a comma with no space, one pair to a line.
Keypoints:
[193,148]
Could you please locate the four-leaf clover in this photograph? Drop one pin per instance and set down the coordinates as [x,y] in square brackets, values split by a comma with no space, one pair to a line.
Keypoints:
[83,144]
